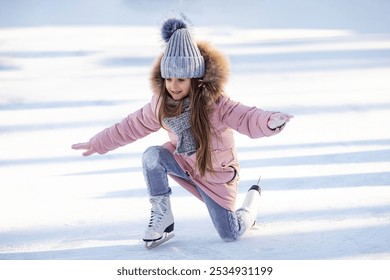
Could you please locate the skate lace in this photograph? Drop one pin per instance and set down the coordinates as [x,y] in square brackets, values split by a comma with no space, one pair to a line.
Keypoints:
[157,212]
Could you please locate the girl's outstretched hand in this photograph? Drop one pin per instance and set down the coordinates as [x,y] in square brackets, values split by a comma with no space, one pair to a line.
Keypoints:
[277,120]
[84,146]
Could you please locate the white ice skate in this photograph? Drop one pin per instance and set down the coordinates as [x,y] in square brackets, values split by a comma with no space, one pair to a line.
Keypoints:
[161,225]
[248,212]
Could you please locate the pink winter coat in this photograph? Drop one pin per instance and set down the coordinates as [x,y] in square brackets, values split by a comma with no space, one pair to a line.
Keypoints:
[226,116]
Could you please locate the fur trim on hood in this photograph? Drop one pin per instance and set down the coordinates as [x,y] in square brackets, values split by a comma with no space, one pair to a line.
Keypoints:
[216,72]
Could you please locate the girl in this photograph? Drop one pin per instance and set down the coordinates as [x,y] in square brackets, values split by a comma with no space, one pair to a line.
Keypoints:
[189,103]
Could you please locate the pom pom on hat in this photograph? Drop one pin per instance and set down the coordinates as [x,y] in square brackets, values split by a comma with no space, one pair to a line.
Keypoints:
[170,26]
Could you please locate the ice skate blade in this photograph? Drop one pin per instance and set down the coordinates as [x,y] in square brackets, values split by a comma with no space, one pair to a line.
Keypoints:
[153,244]
[256,226]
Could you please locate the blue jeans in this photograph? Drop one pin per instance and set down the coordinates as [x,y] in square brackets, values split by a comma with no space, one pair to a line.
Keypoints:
[158,162]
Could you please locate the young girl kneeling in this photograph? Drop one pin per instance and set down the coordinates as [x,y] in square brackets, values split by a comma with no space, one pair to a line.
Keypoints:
[190,104]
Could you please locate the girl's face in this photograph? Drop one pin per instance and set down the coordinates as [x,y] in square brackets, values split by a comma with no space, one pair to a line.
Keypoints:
[178,88]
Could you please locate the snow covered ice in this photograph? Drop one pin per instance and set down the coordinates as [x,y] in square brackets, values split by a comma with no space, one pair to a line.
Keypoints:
[325,179]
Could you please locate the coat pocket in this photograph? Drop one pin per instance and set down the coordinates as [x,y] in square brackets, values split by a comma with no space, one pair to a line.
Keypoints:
[224,165]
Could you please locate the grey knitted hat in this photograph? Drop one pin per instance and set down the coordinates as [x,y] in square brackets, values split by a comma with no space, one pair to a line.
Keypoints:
[182,58]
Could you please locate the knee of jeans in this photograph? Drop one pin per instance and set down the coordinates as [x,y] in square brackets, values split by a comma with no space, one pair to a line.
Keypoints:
[229,237]
[151,156]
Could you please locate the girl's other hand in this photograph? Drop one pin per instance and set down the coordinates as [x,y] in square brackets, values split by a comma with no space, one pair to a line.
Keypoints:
[84,146]
[278,120]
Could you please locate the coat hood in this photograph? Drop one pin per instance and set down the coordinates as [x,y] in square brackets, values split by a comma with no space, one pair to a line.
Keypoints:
[216,71]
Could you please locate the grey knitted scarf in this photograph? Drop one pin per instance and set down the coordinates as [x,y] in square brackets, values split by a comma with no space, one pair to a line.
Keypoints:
[181,126]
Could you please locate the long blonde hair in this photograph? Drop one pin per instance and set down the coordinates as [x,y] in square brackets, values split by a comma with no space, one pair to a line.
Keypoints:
[200,124]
